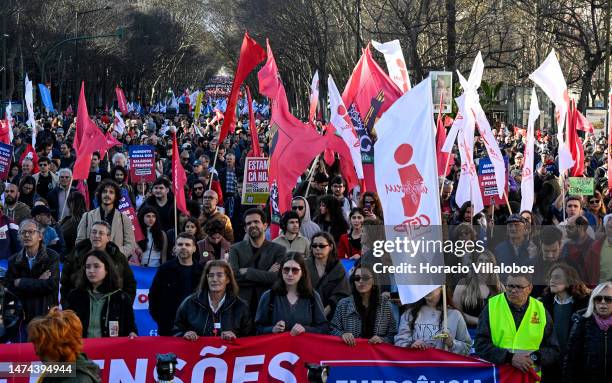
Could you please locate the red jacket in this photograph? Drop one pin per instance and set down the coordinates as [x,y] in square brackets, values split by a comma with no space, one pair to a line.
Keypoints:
[345,250]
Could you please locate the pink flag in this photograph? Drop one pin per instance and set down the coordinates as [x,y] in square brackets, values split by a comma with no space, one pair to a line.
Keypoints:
[314,96]
[121,101]
[610,142]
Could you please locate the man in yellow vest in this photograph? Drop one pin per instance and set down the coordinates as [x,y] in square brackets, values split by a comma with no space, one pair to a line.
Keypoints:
[515,328]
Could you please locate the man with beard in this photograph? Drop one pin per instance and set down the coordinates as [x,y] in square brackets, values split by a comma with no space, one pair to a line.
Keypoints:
[162,202]
[197,192]
[66,157]
[99,239]
[255,260]
[174,281]
[574,251]
[14,209]
[210,212]
[109,194]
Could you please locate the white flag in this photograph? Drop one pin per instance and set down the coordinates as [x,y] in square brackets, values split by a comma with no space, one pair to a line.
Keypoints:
[119,123]
[396,65]
[29,98]
[9,119]
[342,122]
[550,78]
[314,96]
[407,179]
[527,175]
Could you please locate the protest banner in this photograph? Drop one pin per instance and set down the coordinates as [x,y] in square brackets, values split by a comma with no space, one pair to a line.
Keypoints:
[125,207]
[6,153]
[275,358]
[488,185]
[142,163]
[581,185]
[255,187]
[441,89]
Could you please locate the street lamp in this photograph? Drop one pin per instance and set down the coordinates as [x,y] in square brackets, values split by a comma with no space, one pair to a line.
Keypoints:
[76,40]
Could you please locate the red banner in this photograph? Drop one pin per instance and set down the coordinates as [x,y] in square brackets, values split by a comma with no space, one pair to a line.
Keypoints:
[276,358]
[121,101]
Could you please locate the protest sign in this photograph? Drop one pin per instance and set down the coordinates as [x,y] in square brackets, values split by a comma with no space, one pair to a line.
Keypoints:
[581,185]
[255,187]
[488,185]
[142,163]
[6,153]
[125,207]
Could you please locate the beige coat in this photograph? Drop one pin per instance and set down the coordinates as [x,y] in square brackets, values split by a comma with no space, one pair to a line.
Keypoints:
[122,233]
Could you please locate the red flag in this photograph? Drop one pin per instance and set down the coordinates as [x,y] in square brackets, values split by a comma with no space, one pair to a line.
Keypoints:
[252,127]
[448,121]
[441,157]
[610,142]
[370,92]
[69,110]
[121,101]
[335,143]
[30,153]
[582,123]
[251,54]
[111,141]
[82,188]
[90,139]
[293,145]
[179,179]
[574,142]
[4,132]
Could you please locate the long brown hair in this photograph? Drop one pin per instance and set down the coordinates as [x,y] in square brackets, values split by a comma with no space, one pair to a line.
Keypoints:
[232,287]
[575,286]
[471,295]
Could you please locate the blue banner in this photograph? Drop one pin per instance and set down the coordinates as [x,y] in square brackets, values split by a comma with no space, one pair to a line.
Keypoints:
[45,94]
[412,372]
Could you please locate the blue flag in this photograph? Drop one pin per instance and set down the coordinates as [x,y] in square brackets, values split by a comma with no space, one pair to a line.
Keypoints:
[45,94]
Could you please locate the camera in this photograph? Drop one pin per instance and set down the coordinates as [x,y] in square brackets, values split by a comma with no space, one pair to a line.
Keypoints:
[165,366]
[317,373]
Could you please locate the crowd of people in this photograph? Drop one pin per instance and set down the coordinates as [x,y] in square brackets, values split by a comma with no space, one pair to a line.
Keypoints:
[220,272]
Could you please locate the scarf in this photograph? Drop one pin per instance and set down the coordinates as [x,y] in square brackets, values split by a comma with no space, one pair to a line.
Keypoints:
[604,324]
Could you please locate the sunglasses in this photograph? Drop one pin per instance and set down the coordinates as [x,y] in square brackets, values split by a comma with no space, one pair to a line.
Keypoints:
[594,201]
[319,245]
[363,279]
[292,270]
[603,298]
[300,208]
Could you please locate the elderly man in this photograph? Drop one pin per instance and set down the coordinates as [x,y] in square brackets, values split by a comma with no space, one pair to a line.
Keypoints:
[517,249]
[210,212]
[99,239]
[33,273]
[515,328]
[59,195]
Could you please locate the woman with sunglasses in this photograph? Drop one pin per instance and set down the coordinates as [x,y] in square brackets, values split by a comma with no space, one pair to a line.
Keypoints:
[326,272]
[291,304]
[597,207]
[215,308]
[589,349]
[366,313]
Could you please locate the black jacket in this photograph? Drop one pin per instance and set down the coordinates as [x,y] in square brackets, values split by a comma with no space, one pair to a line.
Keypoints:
[589,352]
[195,314]
[37,295]
[164,293]
[73,267]
[54,202]
[118,307]
[332,286]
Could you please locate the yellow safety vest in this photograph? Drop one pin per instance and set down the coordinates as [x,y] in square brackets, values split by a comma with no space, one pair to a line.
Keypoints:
[504,333]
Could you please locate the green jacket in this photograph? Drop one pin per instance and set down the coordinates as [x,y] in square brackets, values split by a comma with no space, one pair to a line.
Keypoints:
[86,372]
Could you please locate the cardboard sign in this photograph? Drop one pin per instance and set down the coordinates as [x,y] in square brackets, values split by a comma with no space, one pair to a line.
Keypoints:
[488,185]
[581,185]
[142,163]
[6,154]
[255,187]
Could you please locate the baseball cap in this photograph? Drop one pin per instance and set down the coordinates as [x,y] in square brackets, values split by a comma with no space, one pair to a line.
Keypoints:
[40,209]
[515,218]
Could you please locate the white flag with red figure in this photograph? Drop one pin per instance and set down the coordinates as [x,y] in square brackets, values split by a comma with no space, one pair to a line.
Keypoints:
[396,65]
[527,192]
[119,123]
[550,78]
[407,178]
[342,122]
[314,97]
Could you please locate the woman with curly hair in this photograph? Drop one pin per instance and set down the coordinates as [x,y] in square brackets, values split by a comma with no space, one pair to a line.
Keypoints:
[57,338]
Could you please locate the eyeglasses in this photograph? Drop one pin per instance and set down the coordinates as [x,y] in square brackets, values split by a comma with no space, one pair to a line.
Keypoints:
[300,208]
[215,275]
[27,232]
[516,287]
[292,270]
[364,278]
[319,245]
[43,164]
[602,298]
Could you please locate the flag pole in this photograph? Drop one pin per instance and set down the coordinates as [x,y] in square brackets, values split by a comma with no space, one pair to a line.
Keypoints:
[445,167]
[212,176]
[507,202]
[176,219]
[444,312]
[310,174]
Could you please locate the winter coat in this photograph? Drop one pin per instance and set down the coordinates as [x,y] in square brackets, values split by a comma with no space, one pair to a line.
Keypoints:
[308,312]
[164,297]
[117,307]
[122,233]
[20,212]
[9,237]
[75,261]
[300,244]
[332,286]
[204,246]
[54,201]
[37,295]
[86,372]
[195,314]
[347,319]
[589,352]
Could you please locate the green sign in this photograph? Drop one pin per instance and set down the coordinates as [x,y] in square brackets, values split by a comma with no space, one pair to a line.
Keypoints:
[581,185]
[255,189]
